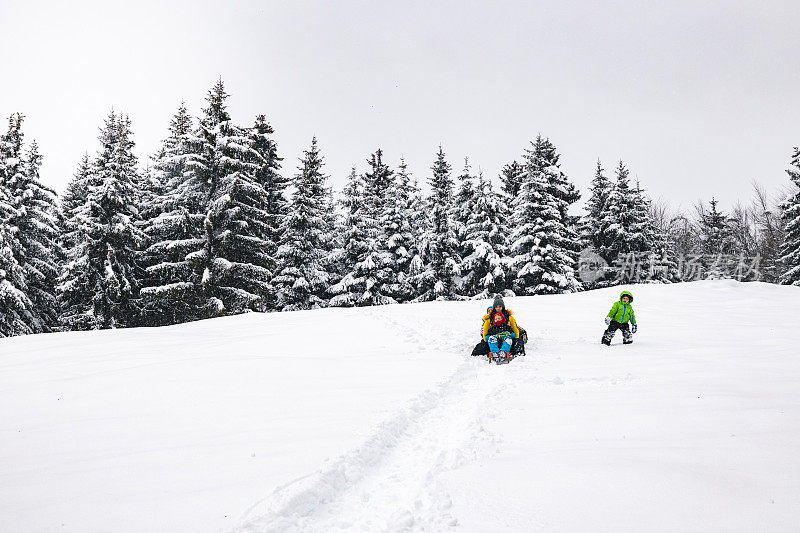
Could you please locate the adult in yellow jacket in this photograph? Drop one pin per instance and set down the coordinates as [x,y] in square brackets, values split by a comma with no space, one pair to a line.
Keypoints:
[500,332]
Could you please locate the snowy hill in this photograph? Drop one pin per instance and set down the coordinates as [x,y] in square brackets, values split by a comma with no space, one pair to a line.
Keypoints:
[377,419]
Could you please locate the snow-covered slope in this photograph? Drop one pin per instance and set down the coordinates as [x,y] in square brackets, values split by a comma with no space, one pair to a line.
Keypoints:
[377,419]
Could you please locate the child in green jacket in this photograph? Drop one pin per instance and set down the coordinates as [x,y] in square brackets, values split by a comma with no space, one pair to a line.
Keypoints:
[618,318]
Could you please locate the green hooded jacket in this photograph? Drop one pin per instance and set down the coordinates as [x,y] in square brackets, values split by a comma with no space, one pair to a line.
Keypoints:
[621,312]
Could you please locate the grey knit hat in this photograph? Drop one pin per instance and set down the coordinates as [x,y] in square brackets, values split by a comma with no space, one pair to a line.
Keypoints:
[498,300]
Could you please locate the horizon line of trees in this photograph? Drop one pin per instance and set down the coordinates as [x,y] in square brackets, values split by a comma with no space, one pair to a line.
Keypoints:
[212,227]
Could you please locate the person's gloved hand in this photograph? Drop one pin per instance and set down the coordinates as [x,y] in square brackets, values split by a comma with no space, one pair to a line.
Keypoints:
[633,328]
[608,320]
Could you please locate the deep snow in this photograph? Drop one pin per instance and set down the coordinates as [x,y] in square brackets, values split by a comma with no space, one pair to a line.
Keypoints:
[377,419]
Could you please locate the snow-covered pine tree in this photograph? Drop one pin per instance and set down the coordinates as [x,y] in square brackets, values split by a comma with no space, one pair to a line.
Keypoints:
[664,260]
[634,247]
[564,192]
[716,240]
[150,191]
[592,228]
[373,269]
[642,230]
[17,316]
[11,149]
[545,246]
[99,287]
[463,204]
[483,268]
[76,191]
[39,235]
[355,246]
[420,226]
[234,260]
[332,246]
[790,253]
[36,221]
[169,165]
[13,180]
[511,177]
[716,236]
[617,222]
[174,227]
[267,174]
[73,199]
[303,280]
[400,239]
[439,244]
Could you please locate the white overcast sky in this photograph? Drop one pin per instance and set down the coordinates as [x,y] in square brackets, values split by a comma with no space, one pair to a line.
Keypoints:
[698,98]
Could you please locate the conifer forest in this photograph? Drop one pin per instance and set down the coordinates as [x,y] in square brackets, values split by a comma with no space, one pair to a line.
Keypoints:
[219,222]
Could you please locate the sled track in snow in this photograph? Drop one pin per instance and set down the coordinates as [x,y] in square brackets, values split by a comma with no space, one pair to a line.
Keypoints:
[389,483]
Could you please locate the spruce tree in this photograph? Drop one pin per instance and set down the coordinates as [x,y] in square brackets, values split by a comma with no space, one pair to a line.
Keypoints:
[483,267]
[545,250]
[559,185]
[401,243]
[99,287]
[233,263]
[76,191]
[174,227]
[618,219]
[420,227]
[592,227]
[716,236]
[716,240]
[17,316]
[170,164]
[463,204]
[345,293]
[35,221]
[791,215]
[39,236]
[73,199]
[373,269]
[267,175]
[633,245]
[511,177]
[440,245]
[564,192]
[303,281]
[14,182]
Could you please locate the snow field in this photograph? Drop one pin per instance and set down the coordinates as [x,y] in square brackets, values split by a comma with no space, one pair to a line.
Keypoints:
[182,428]
[380,421]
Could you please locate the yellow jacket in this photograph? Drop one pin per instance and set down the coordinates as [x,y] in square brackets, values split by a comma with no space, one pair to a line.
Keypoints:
[511,322]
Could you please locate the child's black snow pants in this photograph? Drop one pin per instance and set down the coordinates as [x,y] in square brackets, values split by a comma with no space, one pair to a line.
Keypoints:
[627,336]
